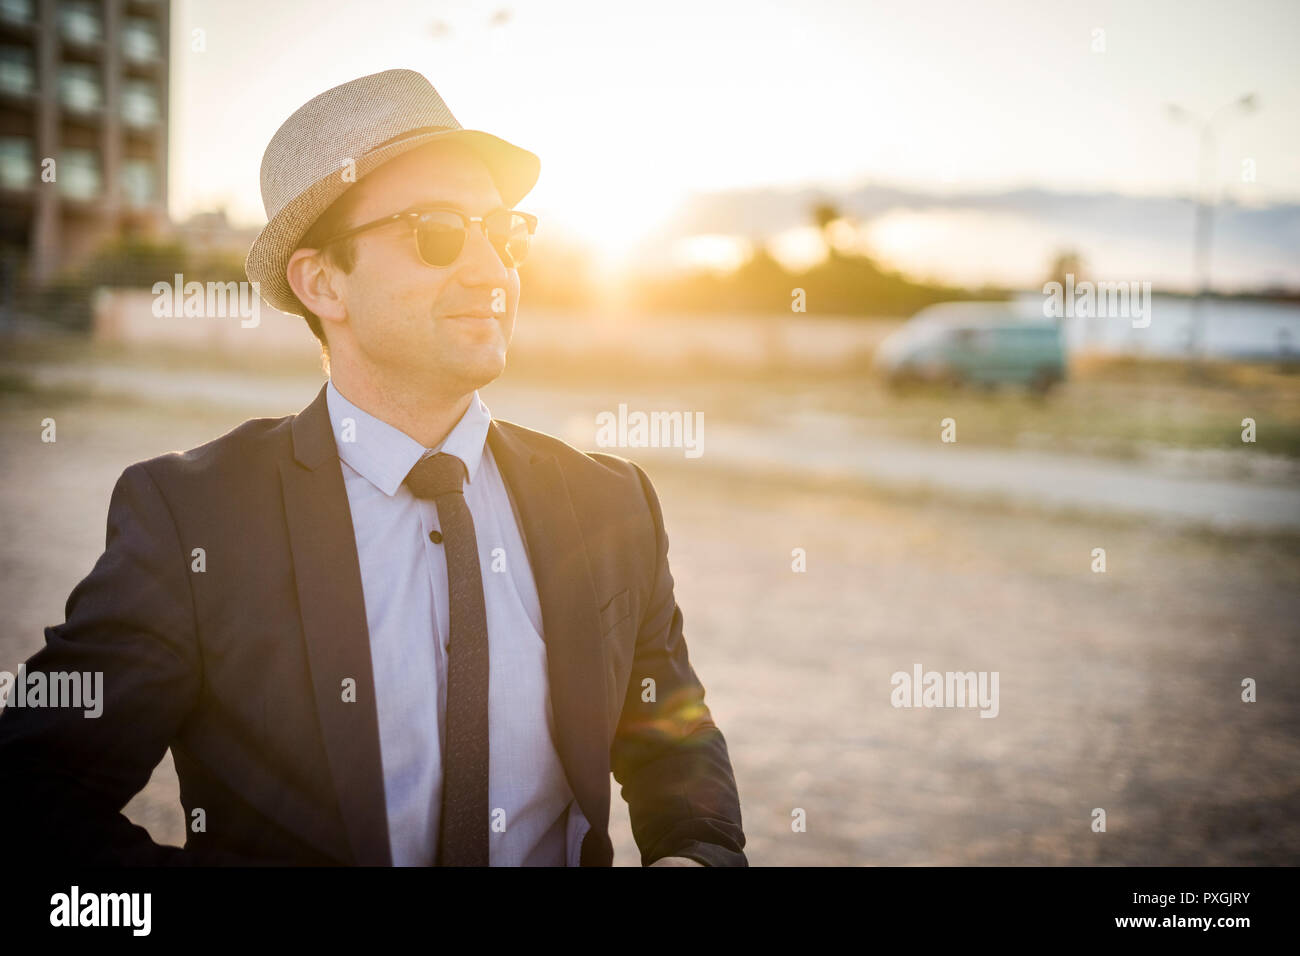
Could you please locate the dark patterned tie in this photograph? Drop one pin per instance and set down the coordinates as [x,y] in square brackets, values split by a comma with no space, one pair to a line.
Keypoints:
[463,838]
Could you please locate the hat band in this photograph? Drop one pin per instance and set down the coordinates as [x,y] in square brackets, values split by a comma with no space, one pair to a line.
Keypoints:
[408,134]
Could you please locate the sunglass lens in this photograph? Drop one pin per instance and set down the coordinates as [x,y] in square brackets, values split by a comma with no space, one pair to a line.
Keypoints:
[440,238]
[510,237]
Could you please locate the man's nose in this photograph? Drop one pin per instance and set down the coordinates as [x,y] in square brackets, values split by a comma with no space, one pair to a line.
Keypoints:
[481,265]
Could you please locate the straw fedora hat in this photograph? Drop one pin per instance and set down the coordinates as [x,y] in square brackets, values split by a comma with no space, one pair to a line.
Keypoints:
[340,136]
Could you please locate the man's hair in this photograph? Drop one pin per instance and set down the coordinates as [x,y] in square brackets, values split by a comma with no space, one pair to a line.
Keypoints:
[342,254]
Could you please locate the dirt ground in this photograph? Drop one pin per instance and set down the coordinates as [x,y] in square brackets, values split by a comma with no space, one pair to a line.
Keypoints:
[1118,690]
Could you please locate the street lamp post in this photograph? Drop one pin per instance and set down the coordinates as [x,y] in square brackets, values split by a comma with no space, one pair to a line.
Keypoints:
[1207,173]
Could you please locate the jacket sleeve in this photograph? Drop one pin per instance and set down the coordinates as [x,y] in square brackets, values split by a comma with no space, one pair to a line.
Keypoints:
[667,754]
[64,775]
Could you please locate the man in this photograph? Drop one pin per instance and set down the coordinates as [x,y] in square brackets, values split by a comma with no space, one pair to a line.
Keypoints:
[389,629]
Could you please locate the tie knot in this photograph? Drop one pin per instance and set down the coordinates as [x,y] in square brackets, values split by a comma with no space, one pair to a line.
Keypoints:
[436,475]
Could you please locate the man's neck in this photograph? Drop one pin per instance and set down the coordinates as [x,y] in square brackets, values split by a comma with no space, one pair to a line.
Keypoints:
[428,417]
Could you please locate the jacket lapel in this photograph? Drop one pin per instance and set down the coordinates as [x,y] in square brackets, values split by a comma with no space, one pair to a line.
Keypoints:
[570,623]
[330,600]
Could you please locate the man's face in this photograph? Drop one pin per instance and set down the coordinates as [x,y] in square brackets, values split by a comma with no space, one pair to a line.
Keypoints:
[406,320]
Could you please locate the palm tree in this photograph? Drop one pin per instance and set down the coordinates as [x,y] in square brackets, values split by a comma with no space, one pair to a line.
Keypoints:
[1066,261]
[824,213]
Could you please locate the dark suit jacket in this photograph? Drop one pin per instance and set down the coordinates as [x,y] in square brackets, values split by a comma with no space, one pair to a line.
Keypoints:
[239,668]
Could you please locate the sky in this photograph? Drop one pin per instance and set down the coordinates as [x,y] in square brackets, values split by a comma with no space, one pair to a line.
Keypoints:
[634,109]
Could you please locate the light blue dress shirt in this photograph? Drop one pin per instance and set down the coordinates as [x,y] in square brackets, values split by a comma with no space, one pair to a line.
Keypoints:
[535,820]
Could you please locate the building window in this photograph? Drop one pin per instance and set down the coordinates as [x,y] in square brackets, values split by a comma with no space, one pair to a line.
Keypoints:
[17,11]
[17,73]
[140,42]
[78,174]
[79,88]
[139,182]
[79,22]
[139,104]
[16,162]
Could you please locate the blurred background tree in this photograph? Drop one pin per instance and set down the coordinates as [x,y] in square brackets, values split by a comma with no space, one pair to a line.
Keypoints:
[1066,262]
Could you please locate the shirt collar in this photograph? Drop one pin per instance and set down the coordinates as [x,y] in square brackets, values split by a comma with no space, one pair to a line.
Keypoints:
[385,455]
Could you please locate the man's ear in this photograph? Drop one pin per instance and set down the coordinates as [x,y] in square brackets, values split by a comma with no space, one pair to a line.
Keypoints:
[313,282]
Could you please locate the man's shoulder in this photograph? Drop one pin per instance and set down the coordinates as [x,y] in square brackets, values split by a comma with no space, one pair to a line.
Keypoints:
[586,469]
[250,448]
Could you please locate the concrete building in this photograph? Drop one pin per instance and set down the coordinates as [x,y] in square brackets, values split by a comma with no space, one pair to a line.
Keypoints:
[83,130]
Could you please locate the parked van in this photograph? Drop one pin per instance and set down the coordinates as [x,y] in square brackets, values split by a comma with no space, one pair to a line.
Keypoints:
[978,343]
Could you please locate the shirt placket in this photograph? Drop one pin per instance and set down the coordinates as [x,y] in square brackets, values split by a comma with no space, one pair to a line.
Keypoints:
[436,561]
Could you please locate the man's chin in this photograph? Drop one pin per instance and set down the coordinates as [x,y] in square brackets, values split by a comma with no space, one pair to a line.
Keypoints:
[472,372]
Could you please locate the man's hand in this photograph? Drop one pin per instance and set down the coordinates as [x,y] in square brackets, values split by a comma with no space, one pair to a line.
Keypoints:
[676,861]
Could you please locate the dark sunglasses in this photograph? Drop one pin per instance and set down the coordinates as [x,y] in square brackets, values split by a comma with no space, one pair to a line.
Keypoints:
[441,231]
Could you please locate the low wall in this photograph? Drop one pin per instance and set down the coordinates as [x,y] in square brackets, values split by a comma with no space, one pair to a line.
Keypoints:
[126,316]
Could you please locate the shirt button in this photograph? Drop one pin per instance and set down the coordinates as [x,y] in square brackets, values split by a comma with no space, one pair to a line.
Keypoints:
[435,536]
